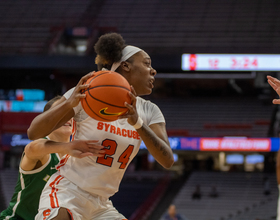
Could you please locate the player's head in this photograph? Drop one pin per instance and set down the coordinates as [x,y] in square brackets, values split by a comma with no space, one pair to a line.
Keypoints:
[50,102]
[132,62]
[64,132]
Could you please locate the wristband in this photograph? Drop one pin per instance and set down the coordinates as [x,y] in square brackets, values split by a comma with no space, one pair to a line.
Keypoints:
[139,123]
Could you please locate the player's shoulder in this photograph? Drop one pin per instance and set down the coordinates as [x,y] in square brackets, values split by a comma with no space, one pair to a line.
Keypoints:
[147,109]
[146,105]
[142,101]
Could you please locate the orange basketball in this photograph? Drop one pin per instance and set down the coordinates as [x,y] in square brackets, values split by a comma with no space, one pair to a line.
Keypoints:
[106,95]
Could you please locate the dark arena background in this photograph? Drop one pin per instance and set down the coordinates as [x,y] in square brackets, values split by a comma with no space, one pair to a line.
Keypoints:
[212,58]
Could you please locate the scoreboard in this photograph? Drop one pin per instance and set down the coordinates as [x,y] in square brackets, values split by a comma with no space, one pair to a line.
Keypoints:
[230,62]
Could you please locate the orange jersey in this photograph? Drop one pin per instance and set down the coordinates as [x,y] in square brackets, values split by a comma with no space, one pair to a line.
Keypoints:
[102,175]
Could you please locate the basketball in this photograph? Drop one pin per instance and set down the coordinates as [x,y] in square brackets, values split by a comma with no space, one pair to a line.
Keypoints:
[106,95]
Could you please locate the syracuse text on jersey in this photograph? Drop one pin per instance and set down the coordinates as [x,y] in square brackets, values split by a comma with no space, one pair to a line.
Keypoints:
[118,131]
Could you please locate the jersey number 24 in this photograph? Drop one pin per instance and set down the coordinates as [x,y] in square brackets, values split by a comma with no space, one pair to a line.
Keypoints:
[110,150]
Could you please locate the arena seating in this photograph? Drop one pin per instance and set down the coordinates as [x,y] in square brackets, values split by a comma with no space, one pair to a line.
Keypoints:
[216,116]
[8,178]
[147,186]
[264,210]
[132,189]
[239,193]
[28,27]
[196,26]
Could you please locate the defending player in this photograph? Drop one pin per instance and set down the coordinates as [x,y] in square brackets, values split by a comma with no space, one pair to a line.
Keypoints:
[84,186]
[38,163]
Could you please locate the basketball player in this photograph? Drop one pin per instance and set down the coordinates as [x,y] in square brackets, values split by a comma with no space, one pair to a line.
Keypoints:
[81,188]
[38,164]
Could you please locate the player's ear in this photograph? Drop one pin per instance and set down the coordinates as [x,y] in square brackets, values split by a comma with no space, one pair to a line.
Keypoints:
[125,66]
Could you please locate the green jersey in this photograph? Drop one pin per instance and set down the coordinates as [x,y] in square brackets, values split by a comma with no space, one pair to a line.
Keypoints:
[25,201]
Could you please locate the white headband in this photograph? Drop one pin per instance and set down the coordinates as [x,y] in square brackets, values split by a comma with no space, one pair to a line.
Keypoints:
[127,52]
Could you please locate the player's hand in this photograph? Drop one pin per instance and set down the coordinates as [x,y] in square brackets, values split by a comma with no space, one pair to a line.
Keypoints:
[275,84]
[131,114]
[74,99]
[85,148]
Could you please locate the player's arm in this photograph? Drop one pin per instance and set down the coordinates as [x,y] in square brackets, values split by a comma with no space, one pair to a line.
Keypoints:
[154,136]
[275,84]
[156,141]
[50,120]
[55,117]
[40,149]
